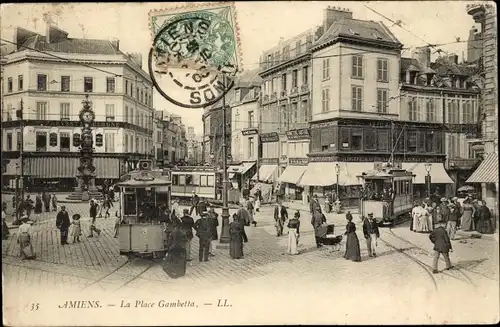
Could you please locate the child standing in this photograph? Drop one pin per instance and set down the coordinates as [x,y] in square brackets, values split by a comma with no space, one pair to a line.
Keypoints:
[442,246]
[77,228]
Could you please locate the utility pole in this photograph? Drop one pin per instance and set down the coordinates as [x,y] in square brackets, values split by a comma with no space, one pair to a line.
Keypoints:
[224,237]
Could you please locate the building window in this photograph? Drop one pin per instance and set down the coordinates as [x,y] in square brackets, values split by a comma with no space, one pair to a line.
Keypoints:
[41,141]
[305,112]
[305,75]
[9,84]
[325,100]
[294,113]
[383,140]
[283,83]
[453,145]
[18,141]
[370,139]
[237,95]
[65,111]
[411,145]
[110,84]
[125,117]
[412,110]
[429,142]
[65,81]
[9,141]
[88,84]
[357,98]
[109,142]
[126,87]
[125,144]
[357,66]
[429,110]
[20,85]
[110,112]
[283,148]
[41,82]
[295,77]
[345,138]
[250,119]
[468,114]
[382,75]
[137,93]
[453,112]
[357,139]
[326,68]
[65,142]
[41,110]
[250,147]
[382,101]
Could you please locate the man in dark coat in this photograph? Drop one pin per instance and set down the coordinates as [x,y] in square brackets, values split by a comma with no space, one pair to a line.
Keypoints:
[93,210]
[317,221]
[204,233]
[202,205]
[280,216]
[195,200]
[372,234]
[453,217]
[63,223]
[214,223]
[244,219]
[314,204]
[46,201]
[187,225]
[442,246]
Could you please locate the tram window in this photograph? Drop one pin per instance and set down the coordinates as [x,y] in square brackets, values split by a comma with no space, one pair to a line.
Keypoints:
[182,180]
[196,180]
[203,180]
[210,180]
[175,179]
[189,179]
[130,203]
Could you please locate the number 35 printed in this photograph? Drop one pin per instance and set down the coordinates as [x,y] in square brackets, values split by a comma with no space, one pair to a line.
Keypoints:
[34,306]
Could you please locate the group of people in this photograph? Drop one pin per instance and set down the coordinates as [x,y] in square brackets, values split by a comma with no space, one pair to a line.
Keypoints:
[472,215]
[27,206]
[370,232]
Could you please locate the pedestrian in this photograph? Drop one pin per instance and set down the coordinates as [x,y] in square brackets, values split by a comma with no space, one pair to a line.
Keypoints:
[5,228]
[54,202]
[317,221]
[76,230]
[453,217]
[99,203]
[111,194]
[107,204]
[24,239]
[204,233]
[214,223]
[38,204]
[93,210]
[435,214]
[314,204]
[485,225]
[63,223]
[118,222]
[372,234]
[195,200]
[250,209]
[258,199]
[236,238]
[352,250]
[280,216]
[468,213]
[442,246]
[175,261]
[188,225]
[424,218]
[175,208]
[28,206]
[46,201]
[294,234]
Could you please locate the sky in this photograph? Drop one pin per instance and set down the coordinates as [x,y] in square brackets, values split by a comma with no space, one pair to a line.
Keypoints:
[261,25]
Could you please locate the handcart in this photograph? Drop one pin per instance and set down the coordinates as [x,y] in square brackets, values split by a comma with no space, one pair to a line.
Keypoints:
[328,238]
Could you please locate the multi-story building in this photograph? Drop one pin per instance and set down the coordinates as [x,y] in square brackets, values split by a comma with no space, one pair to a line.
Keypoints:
[440,94]
[47,77]
[487,173]
[355,121]
[194,147]
[174,140]
[285,109]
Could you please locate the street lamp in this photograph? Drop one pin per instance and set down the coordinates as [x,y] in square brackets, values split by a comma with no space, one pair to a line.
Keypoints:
[428,167]
[337,171]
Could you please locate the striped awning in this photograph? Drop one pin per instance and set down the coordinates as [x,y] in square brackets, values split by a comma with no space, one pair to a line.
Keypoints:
[267,173]
[292,174]
[487,172]
[437,172]
[52,167]
[324,173]
[108,168]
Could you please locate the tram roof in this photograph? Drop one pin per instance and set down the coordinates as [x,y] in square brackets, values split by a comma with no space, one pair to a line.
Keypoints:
[143,179]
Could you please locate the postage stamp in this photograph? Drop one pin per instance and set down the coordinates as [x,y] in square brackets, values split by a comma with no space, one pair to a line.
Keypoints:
[195,53]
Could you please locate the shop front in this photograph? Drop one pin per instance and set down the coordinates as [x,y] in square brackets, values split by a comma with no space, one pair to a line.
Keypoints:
[291,177]
[439,178]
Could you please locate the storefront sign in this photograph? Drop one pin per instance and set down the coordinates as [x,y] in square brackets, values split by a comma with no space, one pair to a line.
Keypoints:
[53,139]
[298,161]
[250,131]
[269,137]
[298,134]
[76,140]
[98,140]
[268,161]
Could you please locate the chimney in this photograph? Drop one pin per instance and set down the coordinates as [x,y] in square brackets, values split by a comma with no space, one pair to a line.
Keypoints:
[116,43]
[332,14]
[423,55]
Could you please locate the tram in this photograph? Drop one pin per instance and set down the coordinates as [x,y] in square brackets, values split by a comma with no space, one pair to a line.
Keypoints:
[142,193]
[204,181]
[388,194]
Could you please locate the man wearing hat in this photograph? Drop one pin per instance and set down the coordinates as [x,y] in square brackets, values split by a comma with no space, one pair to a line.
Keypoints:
[187,225]
[372,234]
[63,223]
[453,217]
[195,200]
[442,246]
[204,233]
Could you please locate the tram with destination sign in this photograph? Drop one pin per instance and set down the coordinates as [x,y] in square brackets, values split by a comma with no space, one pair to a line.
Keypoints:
[387,194]
[144,194]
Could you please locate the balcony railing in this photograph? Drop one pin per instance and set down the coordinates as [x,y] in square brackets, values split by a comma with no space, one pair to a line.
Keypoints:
[304,88]
[282,94]
[294,90]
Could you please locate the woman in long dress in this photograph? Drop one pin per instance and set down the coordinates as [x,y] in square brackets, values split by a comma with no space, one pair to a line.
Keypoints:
[236,238]
[466,220]
[76,232]
[38,204]
[293,234]
[24,239]
[424,219]
[352,250]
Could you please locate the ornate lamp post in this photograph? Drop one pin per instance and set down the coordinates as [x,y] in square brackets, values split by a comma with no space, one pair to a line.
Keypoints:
[337,201]
[428,168]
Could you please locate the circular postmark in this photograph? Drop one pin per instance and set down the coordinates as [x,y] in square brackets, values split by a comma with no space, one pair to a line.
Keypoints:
[193,59]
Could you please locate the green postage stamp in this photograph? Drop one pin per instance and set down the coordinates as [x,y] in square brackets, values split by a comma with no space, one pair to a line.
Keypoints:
[195,52]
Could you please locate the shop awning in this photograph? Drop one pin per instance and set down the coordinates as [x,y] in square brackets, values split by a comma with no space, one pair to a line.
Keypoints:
[13,168]
[324,173]
[52,167]
[292,174]
[487,172]
[108,168]
[240,169]
[437,172]
[267,173]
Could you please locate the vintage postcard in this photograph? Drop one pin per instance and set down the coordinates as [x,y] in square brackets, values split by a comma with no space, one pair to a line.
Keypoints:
[248,163]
